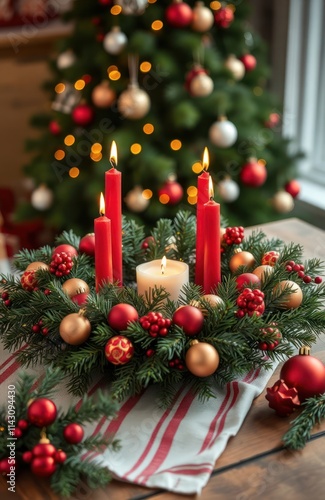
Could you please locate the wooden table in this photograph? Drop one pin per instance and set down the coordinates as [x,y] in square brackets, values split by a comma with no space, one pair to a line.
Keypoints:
[254,465]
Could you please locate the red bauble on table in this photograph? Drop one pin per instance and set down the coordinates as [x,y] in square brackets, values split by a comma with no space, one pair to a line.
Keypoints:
[121,315]
[189,318]
[179,14]
[87,244]
[54,127]
[119,350]
[304,372]
[292,187]
[223,17]
[247,279]
[73,433]
[41,412]
[69,249]
[170,193]
[282,399]
[83,115]
[249,61]
[253,174]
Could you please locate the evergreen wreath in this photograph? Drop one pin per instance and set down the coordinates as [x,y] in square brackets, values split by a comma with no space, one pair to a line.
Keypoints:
[249,325]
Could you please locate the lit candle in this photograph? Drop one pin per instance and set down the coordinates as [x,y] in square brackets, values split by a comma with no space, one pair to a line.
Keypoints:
[113,196]
[202,198]
[212,266]
[166,273]
[103,248]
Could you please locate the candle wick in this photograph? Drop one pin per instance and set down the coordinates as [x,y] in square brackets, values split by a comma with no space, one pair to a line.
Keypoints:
[113,163]
[211,198]
[162,269]
[102,214]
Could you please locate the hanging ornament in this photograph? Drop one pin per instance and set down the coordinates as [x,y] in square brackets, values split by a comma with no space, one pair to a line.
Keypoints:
[135,201]
[75,329]
[201,85]
[263,271]
[54,127]
[228,190]
[190,319]
[73,286]
[121,315]
[293,298]
[202,359]
[65,59]
[235,66]
[41,412]
[283,202]
[196,70]
[61,264]
[282,399]
[115,41]
[133,103]
[250,302]
[223,133]
[73,433]
[270,258]
[28,281]
[68,249]
[35,266]
[273,120]
[202,19]
[241,258]
[119,350]
[171,192]
[253,173]
[132,7]
[103,95]
[249,61]
[223,17]
[83,115]
[42,197]
[305,373]
[292,187]
[247,279]
[178,14]
[66,100]
[87,244]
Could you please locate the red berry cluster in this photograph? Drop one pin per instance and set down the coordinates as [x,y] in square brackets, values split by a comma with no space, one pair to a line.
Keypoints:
[233,235]
[21,427]
[176,363]
[156,324]
[270,258]
[38,328]
[61,264]
[291,266]
[273,333]
[5,298]
[250,302]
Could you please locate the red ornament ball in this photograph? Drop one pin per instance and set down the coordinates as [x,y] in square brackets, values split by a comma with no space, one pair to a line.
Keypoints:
[223,17]
[306,373]
[54,127]
[170,193]
[147,242]
[28,280]
[121,315]
[253,174]
[68,249]
[43,466]
[247,279]
[5,464]
[273,120]
[83,115]
[27,456]
[179,14]
[44,450]
[292,187]
[87,244]
[73,433]
[41,412]
[119,350]
[189,318]
[80,299]
[60,457]
[249,61]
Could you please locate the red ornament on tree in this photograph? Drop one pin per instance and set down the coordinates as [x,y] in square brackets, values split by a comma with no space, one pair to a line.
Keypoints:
[54,127]
[28,281]
[119,350]
[43,466]
[69,249]
[282,399]
[41,412]
[273,120]
[80,298]
[170,193]
[189,318]
[249,61]
[304,372]
[83,115]
[73,433]
[223,17]
[179,14]
[253,174]
[87,244]
[247,279]
[121,315]
[292,187]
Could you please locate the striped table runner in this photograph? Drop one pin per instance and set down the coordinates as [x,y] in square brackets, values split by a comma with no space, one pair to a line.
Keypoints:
[174,449]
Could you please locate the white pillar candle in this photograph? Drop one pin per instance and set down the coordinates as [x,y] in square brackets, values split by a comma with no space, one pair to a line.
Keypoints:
[171,277]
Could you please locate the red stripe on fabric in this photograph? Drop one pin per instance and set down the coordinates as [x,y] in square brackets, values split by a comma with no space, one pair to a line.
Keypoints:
[12,356]
[223,419]
[187,466]
[190,472]
[168,437]
[212,427]
[9,371]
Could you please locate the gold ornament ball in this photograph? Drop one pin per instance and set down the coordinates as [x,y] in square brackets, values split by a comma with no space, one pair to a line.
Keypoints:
[133,103]
[236,67]
[73,286]
[294,297]
[202,359]
[135,201]
[75,329]
[35,266]
[241,259]
[103,96]
[201,85]
[262,271]
[203,18]
[213,300]
[283,202]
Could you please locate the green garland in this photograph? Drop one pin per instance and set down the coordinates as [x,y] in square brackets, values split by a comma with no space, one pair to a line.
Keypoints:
[236,340]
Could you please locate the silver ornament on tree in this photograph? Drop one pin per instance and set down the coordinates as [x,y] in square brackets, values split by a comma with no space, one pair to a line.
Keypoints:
[283,202]
[132,7]
[223,133]
[228,190]
[133,103]
[66,100]
[235,66]
[135,201]
[65,59]
[115,41]
[42,197]
[203,18]
[201,85]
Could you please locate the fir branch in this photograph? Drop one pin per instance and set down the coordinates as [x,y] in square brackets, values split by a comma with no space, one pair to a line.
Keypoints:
[162,234]
[68,238]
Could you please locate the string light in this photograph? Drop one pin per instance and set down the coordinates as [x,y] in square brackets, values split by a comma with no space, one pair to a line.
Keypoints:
[59,154]
[145,66]
[59,88]
[157,25]
[175,144]
[215,5]
[192,191]
[164,199]
[147,194]
[74,172]
[114,75]
[231,6]
[152,1]
[148,128]
[96,156]
[80,84]
[116,10]
[69,140]
[96,148]
[261,161]
[192,200]
[136,148]
[197,167]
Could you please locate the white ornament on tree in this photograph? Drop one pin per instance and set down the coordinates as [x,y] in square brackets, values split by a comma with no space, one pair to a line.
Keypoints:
[65,59]
[203,19]
[235,66]
[135,201]
[133,103]
[115,41]
[42,198]
[132,7]
[228,190]
[201,85]
[223,133]
[283,202]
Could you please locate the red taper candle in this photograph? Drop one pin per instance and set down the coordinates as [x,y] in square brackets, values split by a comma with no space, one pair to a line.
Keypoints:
[202,198]
[103,248]
[212,264]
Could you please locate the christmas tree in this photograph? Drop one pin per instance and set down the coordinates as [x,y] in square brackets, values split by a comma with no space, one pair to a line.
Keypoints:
[163,79]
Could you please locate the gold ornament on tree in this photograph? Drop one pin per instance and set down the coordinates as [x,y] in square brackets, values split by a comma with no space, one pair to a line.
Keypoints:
[293,298]
[73,286]
[75,329]
[202,359]
[283,202]
[203,19]
[103,95]
[135,201]
[236,67]
[241,258]
[213,300]
[35,266]
[263,271]
[133,103]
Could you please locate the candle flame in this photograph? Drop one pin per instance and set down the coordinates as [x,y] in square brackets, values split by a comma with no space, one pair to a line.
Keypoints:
[113,155]
[206,160]
[163,264]
[211,192]
[102,204]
